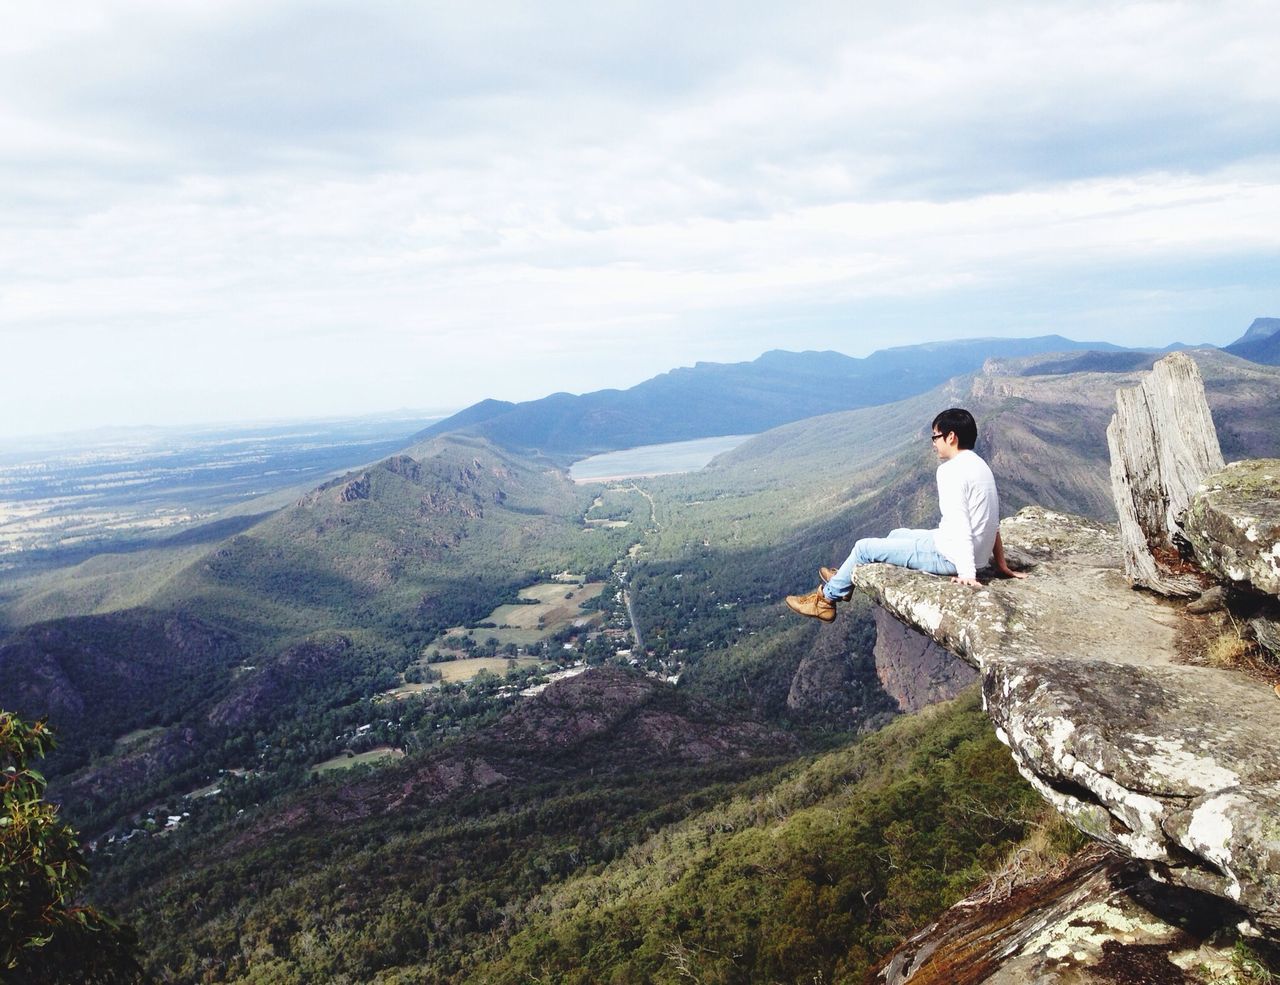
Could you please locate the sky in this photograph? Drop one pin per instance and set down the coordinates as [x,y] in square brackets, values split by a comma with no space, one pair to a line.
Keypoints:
[226,211]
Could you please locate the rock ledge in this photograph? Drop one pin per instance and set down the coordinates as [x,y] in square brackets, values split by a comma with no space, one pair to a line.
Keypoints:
[1169,763]
[1234,524]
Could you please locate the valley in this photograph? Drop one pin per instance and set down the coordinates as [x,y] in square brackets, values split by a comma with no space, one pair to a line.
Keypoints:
[353,686]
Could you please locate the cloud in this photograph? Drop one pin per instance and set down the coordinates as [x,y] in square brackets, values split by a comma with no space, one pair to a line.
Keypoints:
[337,206]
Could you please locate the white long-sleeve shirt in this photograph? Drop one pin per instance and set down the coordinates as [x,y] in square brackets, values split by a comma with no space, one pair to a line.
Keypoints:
[966,534]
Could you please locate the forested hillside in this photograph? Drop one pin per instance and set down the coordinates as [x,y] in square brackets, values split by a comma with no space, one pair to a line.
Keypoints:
[317,608]
[622,861]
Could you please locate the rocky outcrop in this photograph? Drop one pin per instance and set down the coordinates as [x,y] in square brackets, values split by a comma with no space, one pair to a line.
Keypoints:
[913,669]
[1168,762]
[260,693]
[356,489]
[1163,444]
[836,682]
[1233,524]
[1101,919]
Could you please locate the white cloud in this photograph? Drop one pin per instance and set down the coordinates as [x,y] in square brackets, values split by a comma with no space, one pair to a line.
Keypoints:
[270,207]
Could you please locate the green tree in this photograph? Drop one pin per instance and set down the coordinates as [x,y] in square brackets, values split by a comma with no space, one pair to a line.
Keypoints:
[45,934]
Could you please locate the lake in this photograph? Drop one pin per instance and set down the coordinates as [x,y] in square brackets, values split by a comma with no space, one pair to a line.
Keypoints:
[674,456]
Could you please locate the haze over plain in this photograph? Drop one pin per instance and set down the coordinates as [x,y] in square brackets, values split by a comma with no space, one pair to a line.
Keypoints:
[234,211]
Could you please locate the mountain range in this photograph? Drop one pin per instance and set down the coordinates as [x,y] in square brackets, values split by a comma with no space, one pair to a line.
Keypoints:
[709,399]
[508,818]
[733,398]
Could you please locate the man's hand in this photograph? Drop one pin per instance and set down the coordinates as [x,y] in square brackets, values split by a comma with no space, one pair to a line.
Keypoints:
[1002,566]
[966,581]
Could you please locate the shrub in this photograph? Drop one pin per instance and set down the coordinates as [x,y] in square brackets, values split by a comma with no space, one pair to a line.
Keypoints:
[44,935]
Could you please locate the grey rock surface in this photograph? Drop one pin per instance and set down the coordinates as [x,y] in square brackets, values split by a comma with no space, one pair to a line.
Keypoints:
[1211,600]
[1233,523]
[1266,631]
[1169,763]
[1101,919]
[836,680]
[913,669]
[1163,444]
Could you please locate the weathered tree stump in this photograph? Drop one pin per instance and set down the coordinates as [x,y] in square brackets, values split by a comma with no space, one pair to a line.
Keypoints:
[1163,445]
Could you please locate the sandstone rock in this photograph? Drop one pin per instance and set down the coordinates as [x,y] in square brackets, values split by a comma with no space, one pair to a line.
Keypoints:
[356,489]
[405,466]
[836,681]
[1234,524]
[820,683]
[1172,764]
[913,669]
[1211,600]
[1163,444]
[1100,920]
[1266,631]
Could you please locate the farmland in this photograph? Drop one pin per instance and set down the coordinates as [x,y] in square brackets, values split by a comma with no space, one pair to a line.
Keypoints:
[546,609]
[346,760]
[65,497]
[454,671]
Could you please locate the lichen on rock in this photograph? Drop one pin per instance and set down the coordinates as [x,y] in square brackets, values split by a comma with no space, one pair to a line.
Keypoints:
[1233,523]
[1172,764]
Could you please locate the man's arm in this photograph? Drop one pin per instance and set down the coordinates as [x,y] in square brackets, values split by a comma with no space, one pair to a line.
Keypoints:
[998,553]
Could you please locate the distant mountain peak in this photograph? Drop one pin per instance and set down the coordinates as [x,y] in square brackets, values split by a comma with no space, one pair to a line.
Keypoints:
[1260,344]
[1262,328]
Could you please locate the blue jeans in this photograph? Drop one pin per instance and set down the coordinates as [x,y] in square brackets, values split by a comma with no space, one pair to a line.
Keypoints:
[903,547]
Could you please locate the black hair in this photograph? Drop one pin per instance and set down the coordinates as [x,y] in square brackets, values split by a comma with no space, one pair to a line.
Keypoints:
[961,422]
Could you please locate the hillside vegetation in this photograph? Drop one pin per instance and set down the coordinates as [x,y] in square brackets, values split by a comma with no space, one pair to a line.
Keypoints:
[321,605]
[812,879]
[605,862]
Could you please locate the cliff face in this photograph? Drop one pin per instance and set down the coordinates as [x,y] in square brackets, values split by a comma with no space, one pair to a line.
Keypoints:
[913,669]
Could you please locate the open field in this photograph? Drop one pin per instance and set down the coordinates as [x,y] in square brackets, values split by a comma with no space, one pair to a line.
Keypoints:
[559,605]
[346,760]
[409,689]
[463,670]
[136,737]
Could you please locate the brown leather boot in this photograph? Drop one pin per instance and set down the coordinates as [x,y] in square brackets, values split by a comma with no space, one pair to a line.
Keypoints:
[815,604]
[826,574]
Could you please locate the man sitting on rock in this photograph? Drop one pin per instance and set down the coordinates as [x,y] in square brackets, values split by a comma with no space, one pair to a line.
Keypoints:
[969,528]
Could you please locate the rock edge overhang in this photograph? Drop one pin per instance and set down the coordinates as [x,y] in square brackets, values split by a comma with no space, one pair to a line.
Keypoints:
[1173,764]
